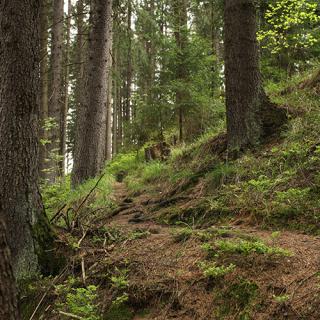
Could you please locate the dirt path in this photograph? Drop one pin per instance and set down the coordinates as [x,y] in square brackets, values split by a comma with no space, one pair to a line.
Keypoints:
[167,283]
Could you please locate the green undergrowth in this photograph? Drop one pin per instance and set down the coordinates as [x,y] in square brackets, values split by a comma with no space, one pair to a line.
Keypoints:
[276,185]
[57,195]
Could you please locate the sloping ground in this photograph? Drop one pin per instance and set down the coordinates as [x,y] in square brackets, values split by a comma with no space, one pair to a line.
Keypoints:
[146,270]
[199,236]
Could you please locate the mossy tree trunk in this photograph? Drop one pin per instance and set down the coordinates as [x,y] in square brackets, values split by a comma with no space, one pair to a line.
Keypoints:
[20,201]
[8,293]
[250,115]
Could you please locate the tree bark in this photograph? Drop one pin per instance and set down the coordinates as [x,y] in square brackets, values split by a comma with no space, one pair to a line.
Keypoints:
[180,18]
[43,82]
[90,137]
[56,102]
[115,106]
[79,65]
[108,147]
[8,293]
[20,206]
[127,109]
[63,139]
[250,115]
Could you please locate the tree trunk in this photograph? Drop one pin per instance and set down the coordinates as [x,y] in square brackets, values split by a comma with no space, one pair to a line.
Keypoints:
[43,82]
[115,105]
[79,65]
[180,17]
[56,102]
[8,293]
[108,147]
[129,65]
[90,137]
[20,206]
[63,139]
[250,115]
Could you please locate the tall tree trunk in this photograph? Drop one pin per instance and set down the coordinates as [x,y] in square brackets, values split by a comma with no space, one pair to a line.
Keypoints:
[109,93]
[115,105]
[120,117]
[79,65]
[63,139]
[250,115]
[56,102]
[8,293]
[43,82]
[90,137]
[127,109]
[20,206]
[180,17]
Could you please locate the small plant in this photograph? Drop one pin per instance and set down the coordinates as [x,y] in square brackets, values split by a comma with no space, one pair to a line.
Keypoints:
[80,302]
[261,184]
[120,300]
[120,281]
[247,247]
[139,234]
[237,300]
[182,235]
[282,298]
[119,309]
[275,235]
[211,270]
[209,249]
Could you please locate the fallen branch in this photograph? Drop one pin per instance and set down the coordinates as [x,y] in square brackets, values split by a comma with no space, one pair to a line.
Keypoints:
[70,315]
[83,271]
[76,212]
[58,214]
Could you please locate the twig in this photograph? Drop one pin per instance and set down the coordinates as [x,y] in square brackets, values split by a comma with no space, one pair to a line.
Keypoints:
[74,316]
[83,271]
[47,291]
[84,234]
[58,214]
[87,196]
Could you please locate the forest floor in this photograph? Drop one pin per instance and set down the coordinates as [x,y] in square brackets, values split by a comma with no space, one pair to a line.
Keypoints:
[160,267]
[146,269]
[195,237]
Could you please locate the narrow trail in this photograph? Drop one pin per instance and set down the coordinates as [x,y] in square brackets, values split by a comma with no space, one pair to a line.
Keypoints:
[165,277]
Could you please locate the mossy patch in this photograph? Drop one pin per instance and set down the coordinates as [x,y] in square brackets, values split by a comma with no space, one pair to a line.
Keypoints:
[119,312]
[237,300]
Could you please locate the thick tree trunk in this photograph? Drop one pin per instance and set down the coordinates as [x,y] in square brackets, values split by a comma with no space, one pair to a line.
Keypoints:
[8,293]
[90,137]
[250,115]
[43,82]
[20,201]
[56,101]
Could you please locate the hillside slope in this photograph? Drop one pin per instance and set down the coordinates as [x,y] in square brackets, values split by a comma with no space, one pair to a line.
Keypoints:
[199,236]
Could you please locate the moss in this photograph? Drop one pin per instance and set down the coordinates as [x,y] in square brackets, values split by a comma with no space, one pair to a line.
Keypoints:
[119,312]
[238,300]
[49,262]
